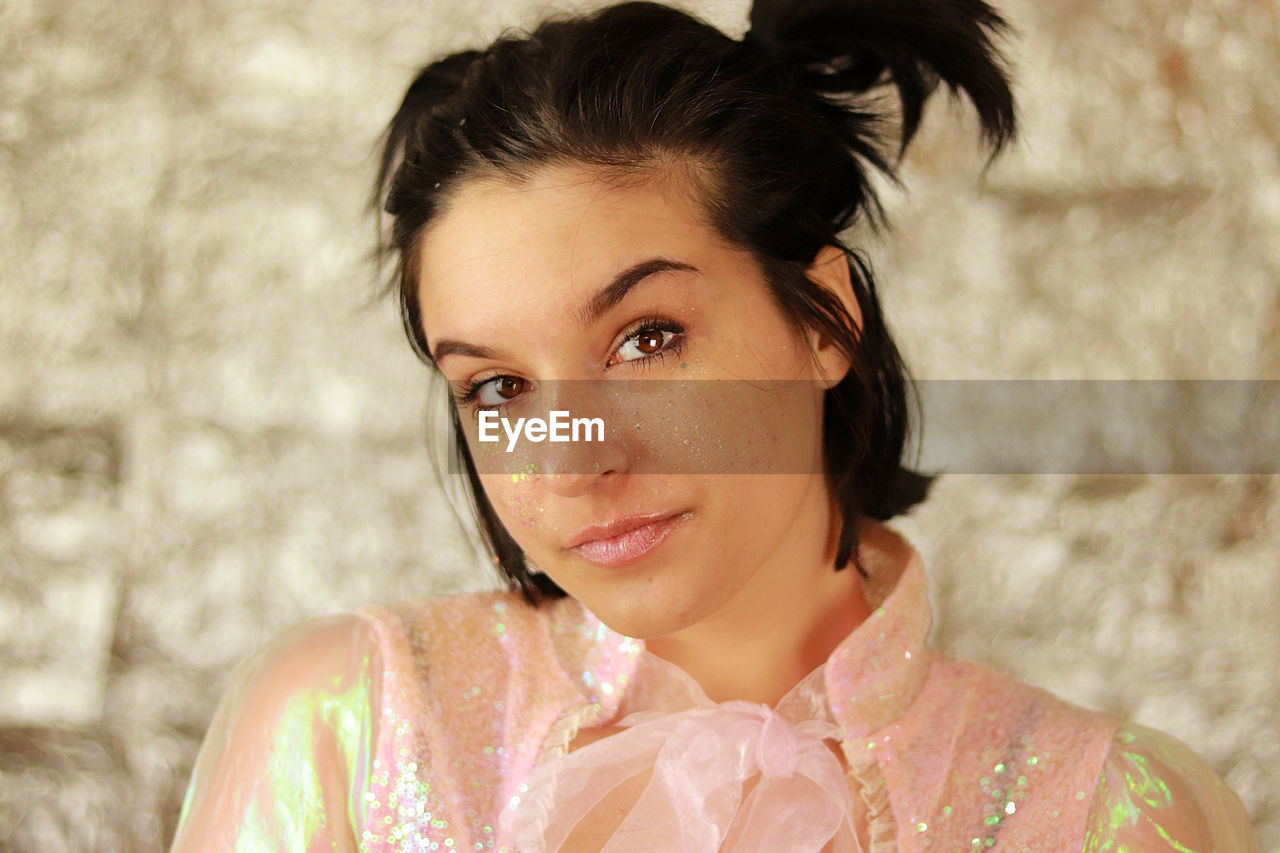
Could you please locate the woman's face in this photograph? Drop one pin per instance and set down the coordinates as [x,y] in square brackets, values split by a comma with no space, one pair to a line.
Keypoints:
[616,300]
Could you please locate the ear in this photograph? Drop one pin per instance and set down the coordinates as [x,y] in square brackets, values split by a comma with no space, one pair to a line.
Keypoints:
[830,271]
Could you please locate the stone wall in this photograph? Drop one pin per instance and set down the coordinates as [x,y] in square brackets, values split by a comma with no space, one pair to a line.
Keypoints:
[210,426]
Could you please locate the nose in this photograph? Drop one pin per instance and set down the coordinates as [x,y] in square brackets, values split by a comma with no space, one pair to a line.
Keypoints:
[585,444]
[567,481]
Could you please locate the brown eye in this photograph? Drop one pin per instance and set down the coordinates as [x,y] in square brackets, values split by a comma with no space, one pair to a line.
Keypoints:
[510,386]
[649,342]
[499,390]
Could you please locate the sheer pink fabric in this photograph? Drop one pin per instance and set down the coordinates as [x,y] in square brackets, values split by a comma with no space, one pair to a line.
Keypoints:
[1156,794]
[700,755]
[287,761]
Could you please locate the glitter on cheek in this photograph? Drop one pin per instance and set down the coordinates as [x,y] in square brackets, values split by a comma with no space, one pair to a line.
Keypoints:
[518,501]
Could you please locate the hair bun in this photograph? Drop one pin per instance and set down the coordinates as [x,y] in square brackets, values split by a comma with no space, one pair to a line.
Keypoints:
[848,46]
[773,31]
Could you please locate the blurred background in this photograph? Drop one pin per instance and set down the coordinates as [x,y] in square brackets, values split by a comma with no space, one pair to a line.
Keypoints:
[211,427]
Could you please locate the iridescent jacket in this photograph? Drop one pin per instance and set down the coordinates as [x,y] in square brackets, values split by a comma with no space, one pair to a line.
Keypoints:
[418,727]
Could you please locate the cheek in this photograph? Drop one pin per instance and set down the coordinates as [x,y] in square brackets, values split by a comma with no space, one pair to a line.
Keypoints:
[756,341]
[738,427]
[513,498]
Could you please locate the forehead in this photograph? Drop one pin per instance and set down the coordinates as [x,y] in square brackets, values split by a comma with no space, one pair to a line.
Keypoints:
[559,234]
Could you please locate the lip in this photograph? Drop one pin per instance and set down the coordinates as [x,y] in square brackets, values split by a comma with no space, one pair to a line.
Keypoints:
[627,539]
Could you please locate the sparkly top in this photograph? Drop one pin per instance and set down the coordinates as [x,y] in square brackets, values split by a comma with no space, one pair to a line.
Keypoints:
[445,724]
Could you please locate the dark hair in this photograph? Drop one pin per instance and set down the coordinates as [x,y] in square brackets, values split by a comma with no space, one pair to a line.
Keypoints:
[782,131]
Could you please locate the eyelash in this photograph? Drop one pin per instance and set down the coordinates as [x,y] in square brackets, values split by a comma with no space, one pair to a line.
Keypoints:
[467,396]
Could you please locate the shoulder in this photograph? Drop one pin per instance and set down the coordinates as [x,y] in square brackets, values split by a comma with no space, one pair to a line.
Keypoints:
[1155,793]
[1025,760]
[325,672]
[439,650]
[1049,736]
[987,694]
[314,664]
[300,711]
[445,622]
[325,656]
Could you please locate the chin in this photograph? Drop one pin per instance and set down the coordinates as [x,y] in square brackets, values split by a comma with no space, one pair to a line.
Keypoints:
[643,616]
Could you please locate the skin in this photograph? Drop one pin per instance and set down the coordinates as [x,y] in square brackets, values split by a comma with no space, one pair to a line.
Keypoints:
[742,594]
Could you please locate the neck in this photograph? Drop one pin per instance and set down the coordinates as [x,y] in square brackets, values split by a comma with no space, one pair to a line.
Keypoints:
[780,626]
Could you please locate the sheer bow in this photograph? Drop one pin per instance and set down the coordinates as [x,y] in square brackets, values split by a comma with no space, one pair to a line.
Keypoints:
[694,802]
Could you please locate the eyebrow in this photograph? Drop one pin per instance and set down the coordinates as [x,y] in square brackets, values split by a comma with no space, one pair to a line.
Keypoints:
[615,291]
[608,297]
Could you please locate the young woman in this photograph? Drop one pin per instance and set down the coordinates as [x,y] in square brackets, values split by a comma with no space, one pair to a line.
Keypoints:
[710,641]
